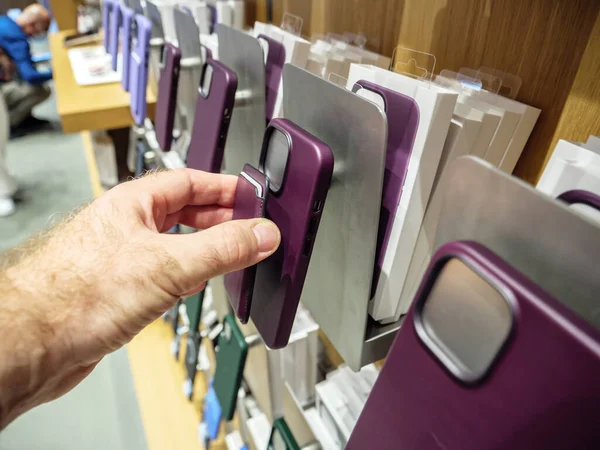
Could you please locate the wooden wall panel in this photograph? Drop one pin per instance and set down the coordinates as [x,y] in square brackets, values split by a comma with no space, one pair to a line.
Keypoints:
[581,114]
[541,41]
[377,20]
[278,10]
[300,8]
[261,12]
[251,10]
[318,19]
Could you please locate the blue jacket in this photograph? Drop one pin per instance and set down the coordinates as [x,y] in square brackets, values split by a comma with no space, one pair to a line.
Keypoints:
[15,44]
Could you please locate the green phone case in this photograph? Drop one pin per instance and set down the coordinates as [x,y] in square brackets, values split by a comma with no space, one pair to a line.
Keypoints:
[193,307]
[231,359]
[281,437]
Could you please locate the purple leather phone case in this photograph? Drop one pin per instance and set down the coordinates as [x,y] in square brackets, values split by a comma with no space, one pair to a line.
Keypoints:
[541,392]
[273,68]
[211,121]
[138,79]
[167,96]
[579,196]
[249,203]
[114,31]
[106,15]
[127,19]
[296,209]
[403,120]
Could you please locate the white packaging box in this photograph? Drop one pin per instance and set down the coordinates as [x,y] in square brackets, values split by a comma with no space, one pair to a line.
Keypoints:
[234,441]
[211,41]
[201,14]
[322,61]
[231,13]
[299,359]
[315,66]
[504,132]
[239,13]
[567,167]
[333,411]
[593,143]
[462,135]
[489,124]
[573,166]
[321,432]
[260,430]
[436,106]
[297,50]
[529,116]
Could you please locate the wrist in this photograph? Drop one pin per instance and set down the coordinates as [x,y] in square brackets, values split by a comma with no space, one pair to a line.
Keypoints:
[26,346]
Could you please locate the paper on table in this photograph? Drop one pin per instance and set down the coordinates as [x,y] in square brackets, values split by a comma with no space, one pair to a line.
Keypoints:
[92,66]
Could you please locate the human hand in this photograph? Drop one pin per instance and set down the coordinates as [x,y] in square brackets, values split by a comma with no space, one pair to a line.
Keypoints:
[94,282]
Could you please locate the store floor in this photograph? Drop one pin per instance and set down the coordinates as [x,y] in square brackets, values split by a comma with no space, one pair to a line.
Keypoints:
[53,178]
[102,412]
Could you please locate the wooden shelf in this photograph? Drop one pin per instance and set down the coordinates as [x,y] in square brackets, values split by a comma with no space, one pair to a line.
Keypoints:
[100,107]
[169,418]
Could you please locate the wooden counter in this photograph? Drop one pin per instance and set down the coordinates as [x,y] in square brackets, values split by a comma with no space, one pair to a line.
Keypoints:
[101,107]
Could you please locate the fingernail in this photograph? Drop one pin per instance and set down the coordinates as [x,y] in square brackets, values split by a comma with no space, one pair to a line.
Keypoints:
[267,235]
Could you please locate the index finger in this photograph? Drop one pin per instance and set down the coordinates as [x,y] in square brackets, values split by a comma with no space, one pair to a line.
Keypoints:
[175,189]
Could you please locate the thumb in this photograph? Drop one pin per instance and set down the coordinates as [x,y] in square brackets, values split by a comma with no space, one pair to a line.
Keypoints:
[223,248]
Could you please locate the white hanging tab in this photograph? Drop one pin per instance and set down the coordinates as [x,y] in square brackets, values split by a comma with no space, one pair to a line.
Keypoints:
[489,82]
[458,82]
[413,63]
[292,24]
[333,37]
[511,84]
[359,40]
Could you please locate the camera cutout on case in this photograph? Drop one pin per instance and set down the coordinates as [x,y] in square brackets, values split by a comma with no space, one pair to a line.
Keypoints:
[367,94]
[275,159]
[464,319]
[205,83]
[163,57]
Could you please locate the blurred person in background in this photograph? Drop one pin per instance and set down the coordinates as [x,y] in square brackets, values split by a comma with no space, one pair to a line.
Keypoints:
[8,186]
[22,95]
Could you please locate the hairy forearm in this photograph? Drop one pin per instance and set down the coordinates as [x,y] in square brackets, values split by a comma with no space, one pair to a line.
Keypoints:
[88,286]
[35,284]
[24,346]
[68,299]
